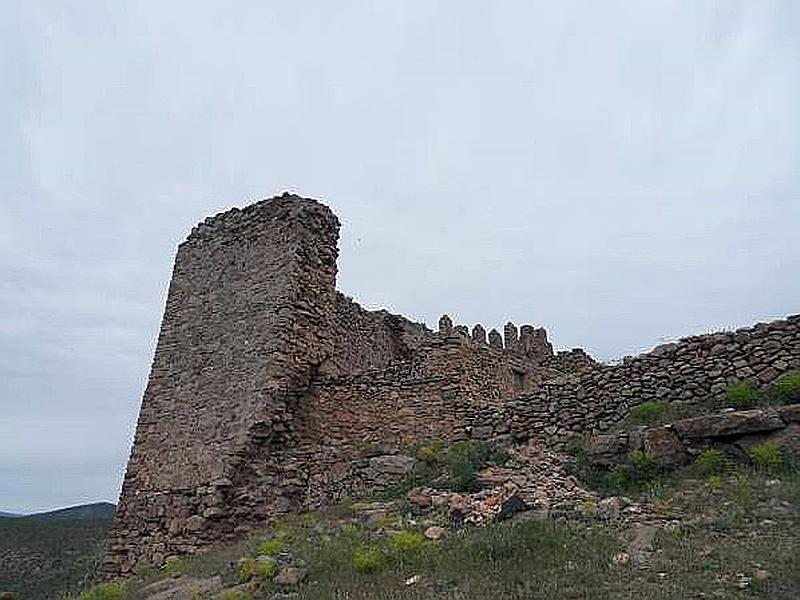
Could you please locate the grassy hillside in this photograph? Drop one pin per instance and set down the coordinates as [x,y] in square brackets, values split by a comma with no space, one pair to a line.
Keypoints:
[44,555]
[731,535]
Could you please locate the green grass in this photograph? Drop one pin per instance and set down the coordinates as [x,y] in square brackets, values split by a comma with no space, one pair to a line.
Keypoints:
[101,591]
[252,567]
[710,461]
[454,467]
[767,456]
[786,389]
[472,563]
[407,542]
[648,413]
[718,536]
[742,394]
[368,559]
[272,546]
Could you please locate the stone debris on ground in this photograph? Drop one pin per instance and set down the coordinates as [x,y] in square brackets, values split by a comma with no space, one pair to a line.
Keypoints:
[532,480]
[182,588]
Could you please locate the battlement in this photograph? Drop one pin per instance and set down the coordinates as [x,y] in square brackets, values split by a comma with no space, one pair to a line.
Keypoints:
[270,391]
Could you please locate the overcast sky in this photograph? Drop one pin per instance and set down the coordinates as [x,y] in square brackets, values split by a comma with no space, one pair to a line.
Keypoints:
[619,172]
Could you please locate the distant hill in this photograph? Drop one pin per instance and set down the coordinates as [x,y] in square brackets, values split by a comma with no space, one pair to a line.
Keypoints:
[9,515]
[98,510]
[46,554]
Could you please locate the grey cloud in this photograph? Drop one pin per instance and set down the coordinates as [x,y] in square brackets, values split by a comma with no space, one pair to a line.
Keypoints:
[618,172]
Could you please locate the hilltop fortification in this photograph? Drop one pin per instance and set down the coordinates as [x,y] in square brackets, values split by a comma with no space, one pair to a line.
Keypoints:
[271,392]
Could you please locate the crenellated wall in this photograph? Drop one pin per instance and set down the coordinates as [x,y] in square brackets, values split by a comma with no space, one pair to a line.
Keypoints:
[594,396]
[271,392]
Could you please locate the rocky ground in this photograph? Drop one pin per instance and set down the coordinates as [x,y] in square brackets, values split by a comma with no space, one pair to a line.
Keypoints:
[700,506]
[531,531]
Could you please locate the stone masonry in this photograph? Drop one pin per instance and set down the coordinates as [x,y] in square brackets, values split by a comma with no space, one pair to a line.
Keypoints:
[271,392]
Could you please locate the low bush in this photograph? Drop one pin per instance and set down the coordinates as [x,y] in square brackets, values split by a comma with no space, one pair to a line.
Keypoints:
[101,591]
[173,566]
[710,461]
[767,456]
[741,394]
[786,389]
[368,559]
[617,478]
[456,465]
[271,547]
[407,541]
[648,412]
[644,466]
[234,595]
[465,459]
[715,483]
[430,453]
[252,567]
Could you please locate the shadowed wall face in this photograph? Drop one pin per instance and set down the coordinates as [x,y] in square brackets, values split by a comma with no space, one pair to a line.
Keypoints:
[245,320]
[245,325]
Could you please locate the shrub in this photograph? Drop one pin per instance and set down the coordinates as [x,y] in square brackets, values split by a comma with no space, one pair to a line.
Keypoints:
[616,478]
[367,559]
[644,465]
[174,565]
[767,456]
[715,483]
[710,461]
[430,453]
[786,388]
[648,412]
[576,446]
[101,591]
[662,506]
[465,459]
[407,541]
[234,595]
[251,567]
[271,547]
[741,394]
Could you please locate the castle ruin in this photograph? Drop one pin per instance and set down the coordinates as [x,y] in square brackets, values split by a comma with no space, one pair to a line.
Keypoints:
[271,392]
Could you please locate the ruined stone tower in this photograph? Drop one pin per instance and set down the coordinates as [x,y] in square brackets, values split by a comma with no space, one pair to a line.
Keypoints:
[272,392]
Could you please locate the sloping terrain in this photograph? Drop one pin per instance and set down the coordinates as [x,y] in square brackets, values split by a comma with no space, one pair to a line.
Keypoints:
[48,554]
[708,529]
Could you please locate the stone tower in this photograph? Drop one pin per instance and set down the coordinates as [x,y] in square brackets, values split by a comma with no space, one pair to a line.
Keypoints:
[245,327]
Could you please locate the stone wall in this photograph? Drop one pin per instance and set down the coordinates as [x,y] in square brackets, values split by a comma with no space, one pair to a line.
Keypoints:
[246,325]
[370,339]
[271,392]
[693,369]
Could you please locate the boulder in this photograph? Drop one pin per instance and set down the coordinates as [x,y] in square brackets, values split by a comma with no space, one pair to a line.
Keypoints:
[607,450]
[511,506]
[787,438]
[790,413]
[664,447]
[610,508]
[642,545]
[392,464]
[421,500]
[728,424]
[434,532]
[290,576]
[182,588]
[195,523]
